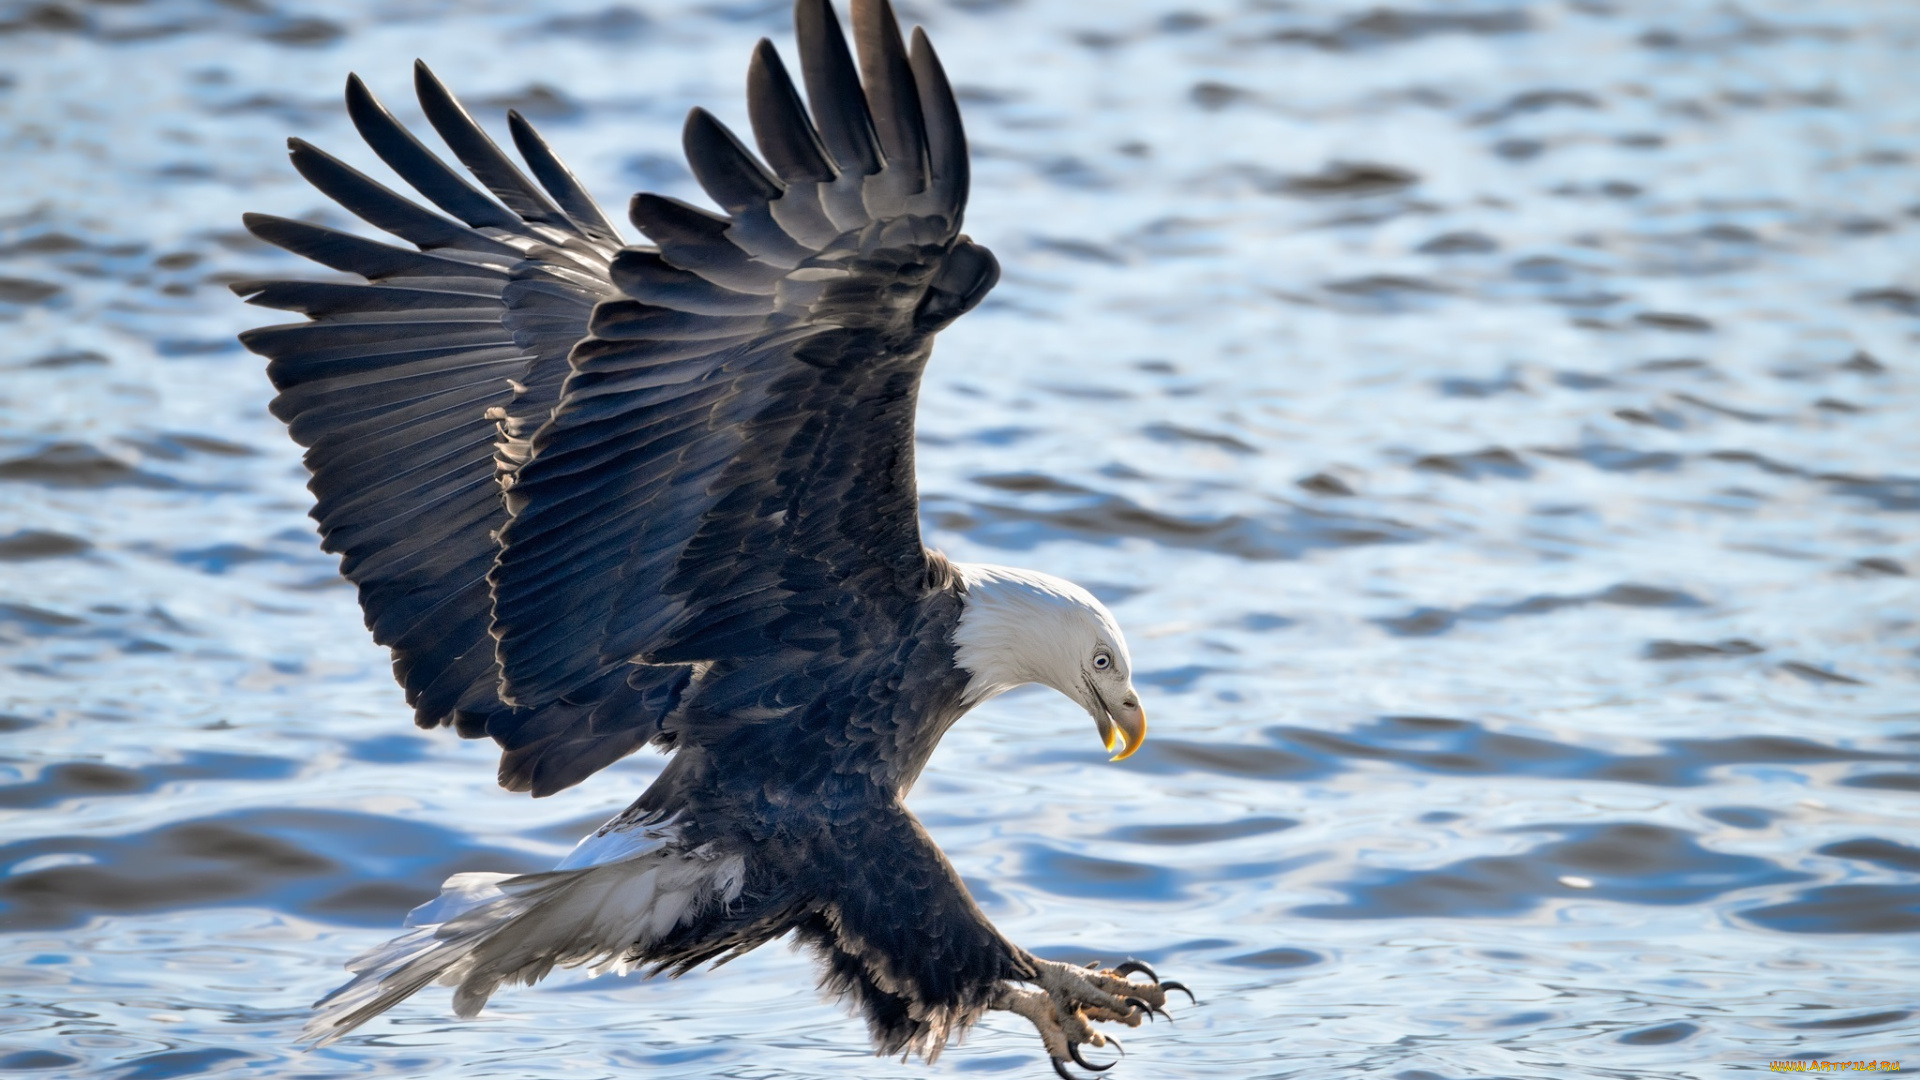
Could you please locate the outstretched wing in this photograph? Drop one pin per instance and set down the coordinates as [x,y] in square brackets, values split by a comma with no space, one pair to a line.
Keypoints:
[728,473]
[402,387]
[563,472]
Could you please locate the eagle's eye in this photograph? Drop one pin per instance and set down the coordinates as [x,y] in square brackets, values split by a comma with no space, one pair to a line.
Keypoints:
[1101,661]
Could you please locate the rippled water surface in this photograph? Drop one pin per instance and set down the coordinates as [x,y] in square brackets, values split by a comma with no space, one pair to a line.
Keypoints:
[1496,425]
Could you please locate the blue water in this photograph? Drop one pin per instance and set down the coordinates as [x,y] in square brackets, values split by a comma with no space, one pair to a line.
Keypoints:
[1495,425]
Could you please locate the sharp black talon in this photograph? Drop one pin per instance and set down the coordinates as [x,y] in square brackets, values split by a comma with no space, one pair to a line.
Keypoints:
[1116,1045]
[1060,1066]
[1074,1049]
[1141,1005]
[1171,985]
[1132,966]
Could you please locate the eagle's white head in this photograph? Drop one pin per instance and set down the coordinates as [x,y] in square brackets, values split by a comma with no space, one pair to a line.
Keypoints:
[1022,626]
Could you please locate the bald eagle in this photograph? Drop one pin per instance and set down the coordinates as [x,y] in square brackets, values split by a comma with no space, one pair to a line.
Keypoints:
[597,495]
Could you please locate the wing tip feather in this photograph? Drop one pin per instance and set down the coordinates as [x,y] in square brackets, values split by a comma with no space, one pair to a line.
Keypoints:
[839,104]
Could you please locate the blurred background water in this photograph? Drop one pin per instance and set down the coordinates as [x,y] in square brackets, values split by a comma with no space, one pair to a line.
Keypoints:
[1495,423]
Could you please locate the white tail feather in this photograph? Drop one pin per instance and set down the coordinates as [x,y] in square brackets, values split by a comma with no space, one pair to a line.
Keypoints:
[488,929]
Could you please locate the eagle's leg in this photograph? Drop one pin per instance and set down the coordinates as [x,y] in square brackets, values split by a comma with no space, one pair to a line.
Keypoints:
[1070,1000]
[904,941]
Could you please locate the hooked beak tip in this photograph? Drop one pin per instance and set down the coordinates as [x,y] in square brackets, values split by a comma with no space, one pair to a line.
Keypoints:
[1126,733]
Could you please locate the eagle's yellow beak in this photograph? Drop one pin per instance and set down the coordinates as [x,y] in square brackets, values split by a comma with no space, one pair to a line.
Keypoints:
[1123,728]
